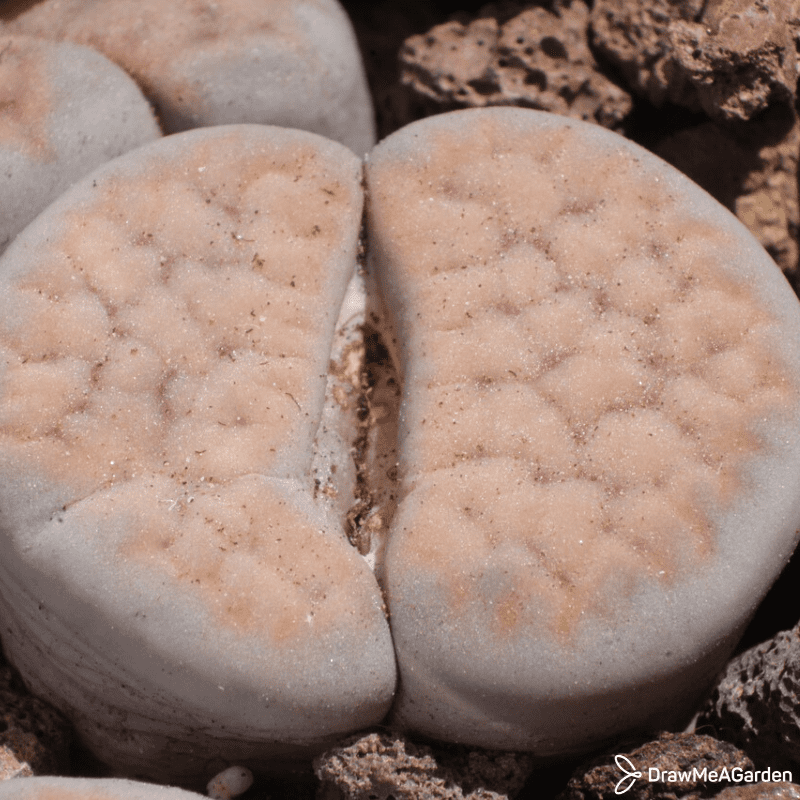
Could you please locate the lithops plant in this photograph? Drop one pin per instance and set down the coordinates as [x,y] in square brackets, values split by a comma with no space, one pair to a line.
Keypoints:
[599,449]
[599,443]
[171,579]
[52,788]
[293,63]
[64,110]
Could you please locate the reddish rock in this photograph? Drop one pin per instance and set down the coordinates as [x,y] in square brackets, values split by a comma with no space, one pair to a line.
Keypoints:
[730,58]
[538,58]
[761,791]
[670,752]
[756,702]
[379,766]
[11,766]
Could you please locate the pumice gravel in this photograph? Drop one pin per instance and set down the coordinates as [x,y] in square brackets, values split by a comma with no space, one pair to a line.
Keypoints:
[597,466]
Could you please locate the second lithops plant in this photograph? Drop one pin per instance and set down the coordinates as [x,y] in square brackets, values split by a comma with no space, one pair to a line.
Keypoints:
[64,110]
[293,63]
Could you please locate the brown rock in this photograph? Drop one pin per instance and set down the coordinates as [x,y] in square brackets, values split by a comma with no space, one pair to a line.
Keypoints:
[19,749]
[730,58]
[34,738]
[380,766]
[752,170]
[678,752]
[756,702]
[761,791]
[539,58]
[11,766]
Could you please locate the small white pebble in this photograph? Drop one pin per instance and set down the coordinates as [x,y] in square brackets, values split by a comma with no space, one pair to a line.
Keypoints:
[230,783]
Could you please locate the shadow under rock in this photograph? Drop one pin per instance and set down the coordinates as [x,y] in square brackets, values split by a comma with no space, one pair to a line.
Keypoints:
[780,609]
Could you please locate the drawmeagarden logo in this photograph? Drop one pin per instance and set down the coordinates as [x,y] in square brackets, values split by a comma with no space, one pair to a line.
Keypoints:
[630,774]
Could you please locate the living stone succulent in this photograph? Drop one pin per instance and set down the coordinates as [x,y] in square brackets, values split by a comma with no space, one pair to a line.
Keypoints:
[64,110]
[52,788]
[599,443]
[277,62]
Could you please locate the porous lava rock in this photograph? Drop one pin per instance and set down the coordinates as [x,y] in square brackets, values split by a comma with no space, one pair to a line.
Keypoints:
[603,777]
[752,170]
[293,63]
[730,58]
[384,766]
[539,58]
[780,790]
[11,766]
[756,702]
[64,110]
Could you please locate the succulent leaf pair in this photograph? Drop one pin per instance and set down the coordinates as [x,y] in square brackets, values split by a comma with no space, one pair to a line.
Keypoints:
[597,449]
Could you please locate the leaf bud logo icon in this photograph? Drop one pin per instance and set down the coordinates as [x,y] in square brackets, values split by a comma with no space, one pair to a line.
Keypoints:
[630,774]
